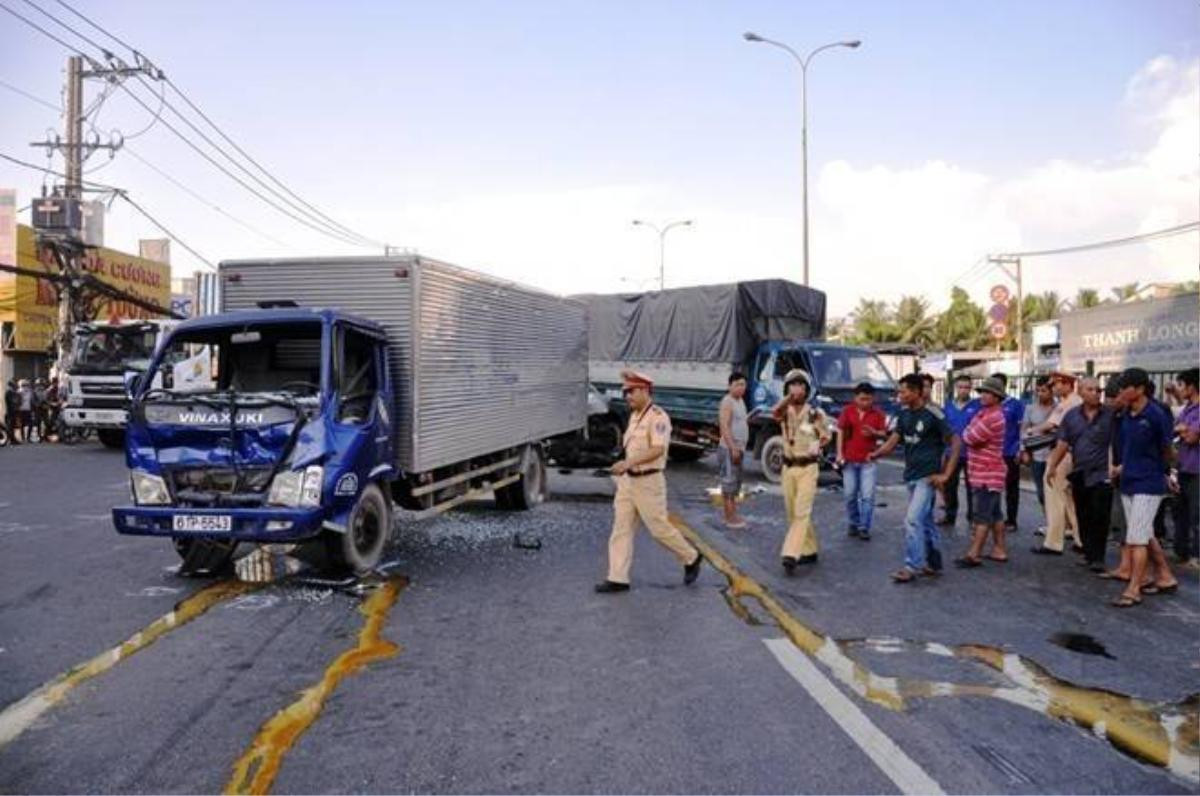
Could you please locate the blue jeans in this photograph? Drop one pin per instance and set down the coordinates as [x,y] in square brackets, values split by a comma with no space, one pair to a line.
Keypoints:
[858,486]
[921,538]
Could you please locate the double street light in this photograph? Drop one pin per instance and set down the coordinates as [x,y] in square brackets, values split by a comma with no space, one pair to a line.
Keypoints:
[662,238]
[804,62]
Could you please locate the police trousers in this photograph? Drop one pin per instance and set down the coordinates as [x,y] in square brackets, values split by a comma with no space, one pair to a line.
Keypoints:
[642,498]
[799,491]
[1060,506]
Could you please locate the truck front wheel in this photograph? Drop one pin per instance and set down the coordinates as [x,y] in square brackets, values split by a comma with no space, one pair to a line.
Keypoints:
[770,458]
[111,437]
[367,533]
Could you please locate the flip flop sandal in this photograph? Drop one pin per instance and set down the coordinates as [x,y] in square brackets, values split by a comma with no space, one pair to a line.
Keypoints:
[968,563]
[903,576]
[1106,575]
[930,572]
[1125,602]
[997,560]
[1150,589]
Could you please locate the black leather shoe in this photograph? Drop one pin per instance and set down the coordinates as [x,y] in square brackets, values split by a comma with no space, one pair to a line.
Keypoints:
[692,570]
[789,564]
[810,559]
[611,587]
[1045,551]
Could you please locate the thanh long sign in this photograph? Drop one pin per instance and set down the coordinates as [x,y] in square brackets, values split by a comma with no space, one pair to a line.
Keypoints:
[1156,334]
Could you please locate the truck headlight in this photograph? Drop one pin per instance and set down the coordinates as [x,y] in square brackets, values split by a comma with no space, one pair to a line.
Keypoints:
[149,489]
[297,487]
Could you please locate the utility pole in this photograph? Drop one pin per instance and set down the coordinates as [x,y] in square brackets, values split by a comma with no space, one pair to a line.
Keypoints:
[59,230]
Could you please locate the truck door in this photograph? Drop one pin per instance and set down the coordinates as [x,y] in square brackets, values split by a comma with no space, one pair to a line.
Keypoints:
[358,413]
[774,365]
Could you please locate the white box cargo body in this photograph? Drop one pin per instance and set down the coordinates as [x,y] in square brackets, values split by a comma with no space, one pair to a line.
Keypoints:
[478,364]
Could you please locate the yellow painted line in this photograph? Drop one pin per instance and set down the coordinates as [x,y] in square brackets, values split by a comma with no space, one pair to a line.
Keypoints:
[17,717]
[255,771]
[1165,734]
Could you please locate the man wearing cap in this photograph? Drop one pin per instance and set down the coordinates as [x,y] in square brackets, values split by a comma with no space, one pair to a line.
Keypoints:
[642,489]
[805,431]
[1141,453]
[986,473]
[1061,519]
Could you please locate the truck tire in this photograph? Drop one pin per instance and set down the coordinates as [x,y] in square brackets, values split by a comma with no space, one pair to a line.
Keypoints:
[111,437]
[685,454]
[527,491]
[770,458]
[367,533]
[204,556]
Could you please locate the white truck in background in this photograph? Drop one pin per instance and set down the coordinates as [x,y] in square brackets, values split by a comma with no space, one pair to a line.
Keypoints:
[101,356]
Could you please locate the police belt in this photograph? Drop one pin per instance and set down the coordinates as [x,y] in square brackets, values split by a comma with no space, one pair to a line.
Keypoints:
[641,473]
[799,461]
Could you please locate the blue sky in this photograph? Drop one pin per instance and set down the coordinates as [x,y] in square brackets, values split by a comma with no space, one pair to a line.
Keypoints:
[522,137]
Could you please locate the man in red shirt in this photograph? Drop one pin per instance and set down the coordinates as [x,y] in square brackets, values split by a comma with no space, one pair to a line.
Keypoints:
[860,428]
[986,471]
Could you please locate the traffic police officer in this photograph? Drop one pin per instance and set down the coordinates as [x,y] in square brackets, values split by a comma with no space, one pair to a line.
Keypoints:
[805,431]
[642,488]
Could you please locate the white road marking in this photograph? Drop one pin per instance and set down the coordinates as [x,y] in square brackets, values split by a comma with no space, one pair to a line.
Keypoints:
[883,751]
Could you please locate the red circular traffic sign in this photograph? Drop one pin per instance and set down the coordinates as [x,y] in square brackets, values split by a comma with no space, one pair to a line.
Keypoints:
[998,331]
[999,294]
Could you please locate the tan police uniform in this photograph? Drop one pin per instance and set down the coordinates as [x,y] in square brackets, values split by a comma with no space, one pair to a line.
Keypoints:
[642,494]
[1060,503]
[804,429]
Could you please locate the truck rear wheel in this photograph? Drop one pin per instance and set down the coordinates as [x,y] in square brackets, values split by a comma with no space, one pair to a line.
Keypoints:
[770,458]
[204,556]
[367,533]
[111,437]
[530,489]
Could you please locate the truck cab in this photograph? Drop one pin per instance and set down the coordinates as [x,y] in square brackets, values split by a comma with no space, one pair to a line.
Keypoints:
[100,357]
[834,370]
[268,425]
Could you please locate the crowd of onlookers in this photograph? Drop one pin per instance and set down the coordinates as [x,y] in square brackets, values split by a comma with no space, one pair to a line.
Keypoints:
[1117,458]
[31,410]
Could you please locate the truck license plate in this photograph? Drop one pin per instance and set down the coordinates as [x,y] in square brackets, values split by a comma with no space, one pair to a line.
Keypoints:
[193,523]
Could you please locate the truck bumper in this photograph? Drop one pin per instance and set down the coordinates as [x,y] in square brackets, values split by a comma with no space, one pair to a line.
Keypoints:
[94,418]
[246,525]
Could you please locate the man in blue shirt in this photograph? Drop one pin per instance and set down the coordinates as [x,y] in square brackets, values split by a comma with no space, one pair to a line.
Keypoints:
[1014,413]
[1141,452]
[959,409]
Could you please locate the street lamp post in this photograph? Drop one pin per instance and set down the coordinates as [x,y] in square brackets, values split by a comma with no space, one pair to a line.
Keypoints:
[662,243]
[803,61]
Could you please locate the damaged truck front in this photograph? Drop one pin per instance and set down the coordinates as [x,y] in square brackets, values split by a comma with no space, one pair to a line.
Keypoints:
[275,422]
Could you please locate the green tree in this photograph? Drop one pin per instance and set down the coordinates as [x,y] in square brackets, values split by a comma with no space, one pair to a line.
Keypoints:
[963,326]
[874,322]
[1183,288]
[912,321]
[1125,292]
[1086,298]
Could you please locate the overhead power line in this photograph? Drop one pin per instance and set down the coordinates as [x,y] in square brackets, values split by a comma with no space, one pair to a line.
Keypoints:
[300,212]
[30,97]
[121,194]
[299,204]
[1145,237]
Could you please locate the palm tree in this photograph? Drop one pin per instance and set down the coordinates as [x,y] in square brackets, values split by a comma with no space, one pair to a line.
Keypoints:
[1183,288]
[873,321]
[912,321]
[1086,298]
[1126,292]
[963,326]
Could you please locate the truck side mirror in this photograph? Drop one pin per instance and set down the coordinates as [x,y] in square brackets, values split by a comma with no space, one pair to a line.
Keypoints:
[131,383]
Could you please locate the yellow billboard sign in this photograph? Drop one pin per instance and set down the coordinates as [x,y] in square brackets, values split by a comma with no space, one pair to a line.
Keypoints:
[31,304]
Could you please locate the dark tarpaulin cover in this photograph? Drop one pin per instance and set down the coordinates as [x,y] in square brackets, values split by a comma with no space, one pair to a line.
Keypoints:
[710,323]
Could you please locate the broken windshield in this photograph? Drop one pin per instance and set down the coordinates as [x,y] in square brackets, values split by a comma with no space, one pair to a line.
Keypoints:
[254,359]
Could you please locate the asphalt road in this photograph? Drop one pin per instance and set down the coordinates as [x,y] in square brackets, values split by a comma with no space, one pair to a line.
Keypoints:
[497,669]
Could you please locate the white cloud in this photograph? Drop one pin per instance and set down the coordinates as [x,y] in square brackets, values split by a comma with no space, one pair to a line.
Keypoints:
[911,230]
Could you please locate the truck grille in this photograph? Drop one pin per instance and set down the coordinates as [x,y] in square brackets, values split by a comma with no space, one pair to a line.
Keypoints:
[101,395]
[221,486]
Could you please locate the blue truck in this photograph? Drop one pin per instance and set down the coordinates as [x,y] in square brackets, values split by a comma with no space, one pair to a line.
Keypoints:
[334,394]
[690,339]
